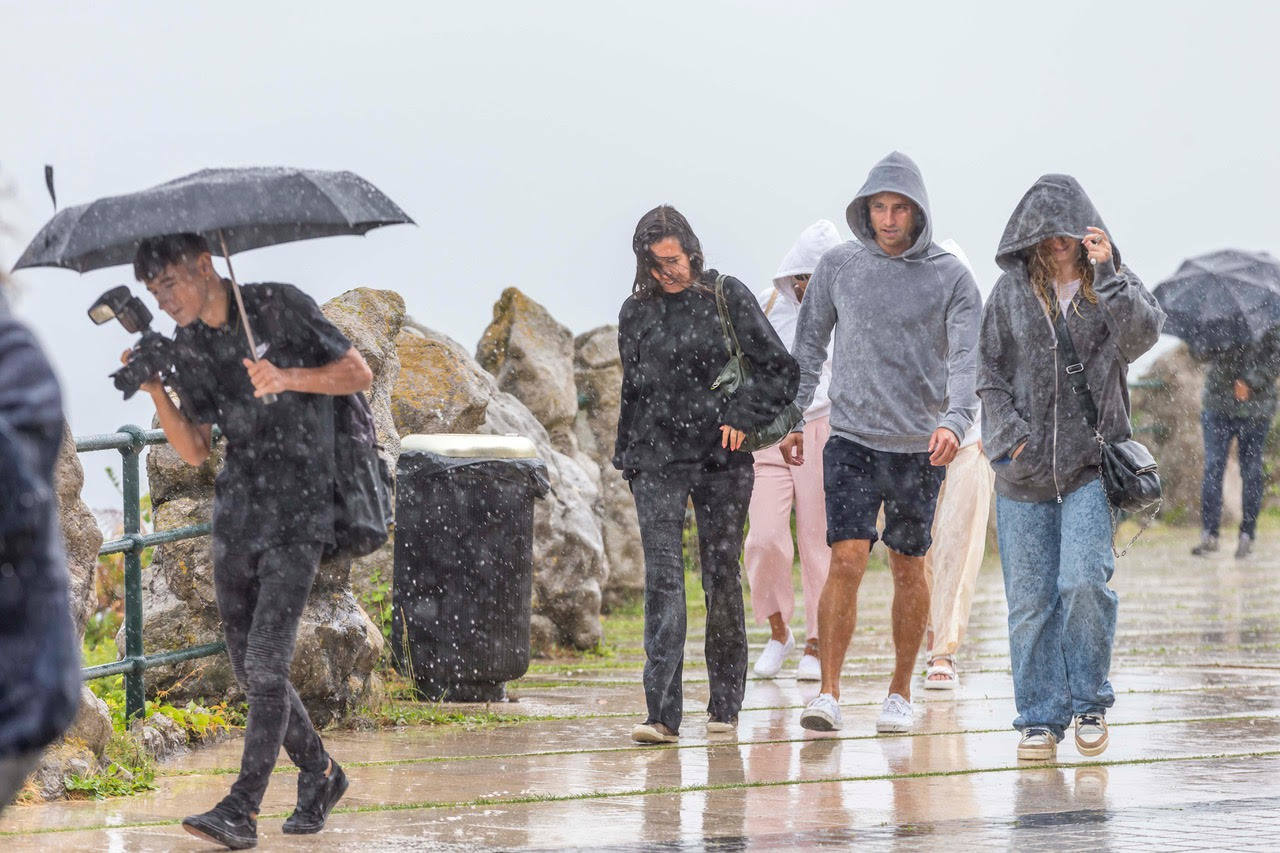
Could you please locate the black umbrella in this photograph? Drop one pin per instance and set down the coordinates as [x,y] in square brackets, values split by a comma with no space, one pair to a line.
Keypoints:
[234,209]
[1224,299]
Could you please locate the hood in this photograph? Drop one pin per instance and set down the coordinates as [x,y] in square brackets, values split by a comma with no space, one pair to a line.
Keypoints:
[803,257]
[896,173]
[1055,206]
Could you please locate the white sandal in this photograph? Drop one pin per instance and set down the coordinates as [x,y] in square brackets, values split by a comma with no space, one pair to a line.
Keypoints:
[950,679]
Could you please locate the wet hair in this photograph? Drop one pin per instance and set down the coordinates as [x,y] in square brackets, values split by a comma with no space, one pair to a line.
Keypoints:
[1040,269]
[156,253]
[658,224]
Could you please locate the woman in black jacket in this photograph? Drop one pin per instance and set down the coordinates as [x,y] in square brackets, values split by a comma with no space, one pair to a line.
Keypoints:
[678,438]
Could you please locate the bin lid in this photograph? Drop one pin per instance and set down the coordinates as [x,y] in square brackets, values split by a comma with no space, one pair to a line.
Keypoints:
[467,446]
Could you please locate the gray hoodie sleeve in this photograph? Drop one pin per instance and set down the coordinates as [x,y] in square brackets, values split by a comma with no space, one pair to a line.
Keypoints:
[964,315]
[1132,314]
[813,333]
[1003,429]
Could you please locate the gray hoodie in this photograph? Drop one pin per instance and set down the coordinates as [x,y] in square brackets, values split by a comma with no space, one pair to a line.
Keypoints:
[1022,380]
[906,329]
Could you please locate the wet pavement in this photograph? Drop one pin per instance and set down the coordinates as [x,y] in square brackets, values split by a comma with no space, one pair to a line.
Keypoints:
[1194,761]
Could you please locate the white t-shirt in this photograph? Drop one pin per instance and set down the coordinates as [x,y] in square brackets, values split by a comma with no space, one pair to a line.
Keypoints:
[1067,292]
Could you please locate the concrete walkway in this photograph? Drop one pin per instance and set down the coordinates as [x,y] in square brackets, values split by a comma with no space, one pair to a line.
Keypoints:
[1194,761]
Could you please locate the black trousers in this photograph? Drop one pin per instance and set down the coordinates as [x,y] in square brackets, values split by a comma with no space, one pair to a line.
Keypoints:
[260,598]
[720,501]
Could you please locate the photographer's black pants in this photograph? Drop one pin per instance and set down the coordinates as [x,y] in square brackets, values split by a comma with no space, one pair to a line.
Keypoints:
[260,598]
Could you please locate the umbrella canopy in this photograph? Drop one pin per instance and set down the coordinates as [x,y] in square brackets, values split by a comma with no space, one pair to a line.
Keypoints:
[247,207]
[1223,299]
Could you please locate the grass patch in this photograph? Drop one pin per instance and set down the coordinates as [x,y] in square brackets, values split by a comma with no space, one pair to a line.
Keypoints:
[128,769]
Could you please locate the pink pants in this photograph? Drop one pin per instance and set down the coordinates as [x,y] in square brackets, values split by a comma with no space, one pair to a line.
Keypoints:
[768,551]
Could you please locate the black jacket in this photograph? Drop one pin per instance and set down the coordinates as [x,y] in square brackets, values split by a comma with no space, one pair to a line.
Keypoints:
[1257,365]
[39,658]
[672,350]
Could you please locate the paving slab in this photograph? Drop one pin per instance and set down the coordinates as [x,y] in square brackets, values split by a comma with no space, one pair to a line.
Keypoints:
[1194,761]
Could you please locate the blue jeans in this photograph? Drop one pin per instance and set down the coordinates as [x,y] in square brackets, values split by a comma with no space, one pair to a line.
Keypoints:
[1250,435]
[1057,560]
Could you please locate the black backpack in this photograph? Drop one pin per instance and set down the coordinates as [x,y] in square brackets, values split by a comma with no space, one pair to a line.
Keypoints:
[362,485]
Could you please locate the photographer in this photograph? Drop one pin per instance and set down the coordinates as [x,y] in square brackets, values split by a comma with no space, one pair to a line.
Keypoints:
[273,503]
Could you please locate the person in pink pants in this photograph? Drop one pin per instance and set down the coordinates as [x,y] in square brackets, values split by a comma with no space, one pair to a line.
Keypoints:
[769,551]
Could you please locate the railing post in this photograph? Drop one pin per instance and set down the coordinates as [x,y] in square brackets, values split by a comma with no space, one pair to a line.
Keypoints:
[134,699]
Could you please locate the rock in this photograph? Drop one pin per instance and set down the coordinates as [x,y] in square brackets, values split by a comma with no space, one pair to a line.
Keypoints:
[1170,412]
[337,645]
[598,375]
[440,388]
[542,635]
[568,549]
[92,725]
[531,356]
[160,736]
[61,760]
[81,534]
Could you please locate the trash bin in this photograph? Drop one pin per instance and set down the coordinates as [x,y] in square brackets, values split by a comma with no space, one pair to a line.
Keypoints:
[463,584]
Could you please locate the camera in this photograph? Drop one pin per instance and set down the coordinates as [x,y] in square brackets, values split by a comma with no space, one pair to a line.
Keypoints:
[151,356]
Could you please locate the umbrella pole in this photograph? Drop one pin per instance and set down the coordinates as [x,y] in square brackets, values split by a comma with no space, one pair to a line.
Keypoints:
[244,318]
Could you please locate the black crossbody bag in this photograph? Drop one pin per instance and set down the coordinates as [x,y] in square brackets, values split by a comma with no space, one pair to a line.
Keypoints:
[1130,475]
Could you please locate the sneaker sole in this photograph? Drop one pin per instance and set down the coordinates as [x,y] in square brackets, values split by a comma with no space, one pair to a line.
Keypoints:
[720,728]
[818,723]
[892,728]
[1037,753]
[233,843]
[1097,749]
[644,734]
[951,684]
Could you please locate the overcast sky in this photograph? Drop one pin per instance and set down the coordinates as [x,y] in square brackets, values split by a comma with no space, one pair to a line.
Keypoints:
[526,139]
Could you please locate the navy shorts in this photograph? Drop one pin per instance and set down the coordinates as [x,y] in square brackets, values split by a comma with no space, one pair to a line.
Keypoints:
[858,480]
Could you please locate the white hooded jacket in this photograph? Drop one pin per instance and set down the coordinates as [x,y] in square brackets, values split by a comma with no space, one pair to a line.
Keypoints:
[781,306]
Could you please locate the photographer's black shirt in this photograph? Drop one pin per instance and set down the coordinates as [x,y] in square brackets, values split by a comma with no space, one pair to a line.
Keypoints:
[277,485]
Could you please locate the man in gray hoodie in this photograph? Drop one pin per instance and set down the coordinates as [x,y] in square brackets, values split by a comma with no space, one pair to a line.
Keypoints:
[905,315]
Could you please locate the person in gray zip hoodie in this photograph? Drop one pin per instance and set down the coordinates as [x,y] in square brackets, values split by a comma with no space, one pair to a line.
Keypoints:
[905,315]
[1053,519]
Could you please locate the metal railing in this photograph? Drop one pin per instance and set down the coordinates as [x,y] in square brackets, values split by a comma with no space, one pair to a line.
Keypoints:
[130,441]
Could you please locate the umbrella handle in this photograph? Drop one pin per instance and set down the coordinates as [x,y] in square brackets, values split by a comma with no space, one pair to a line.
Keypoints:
[267,399]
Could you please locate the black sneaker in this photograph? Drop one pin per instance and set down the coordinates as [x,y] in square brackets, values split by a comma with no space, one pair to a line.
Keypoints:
[226,824]
[317,795]
[1208,544]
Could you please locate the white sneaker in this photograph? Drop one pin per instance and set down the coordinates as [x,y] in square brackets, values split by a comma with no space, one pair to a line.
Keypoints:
[770,661]
[809,669]
[822,714]
[896,715]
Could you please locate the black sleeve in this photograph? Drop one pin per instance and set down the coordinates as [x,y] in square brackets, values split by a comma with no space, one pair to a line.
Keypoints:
[773,376]
[629,350]
[1262,365]
[190,381]
[317,341]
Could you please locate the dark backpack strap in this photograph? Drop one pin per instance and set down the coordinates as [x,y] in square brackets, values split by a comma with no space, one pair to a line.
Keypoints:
[1075,371]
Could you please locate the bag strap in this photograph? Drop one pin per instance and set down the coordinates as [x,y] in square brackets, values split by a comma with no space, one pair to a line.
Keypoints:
[726,324]
[773,298]
[1075,373]
[1080,386]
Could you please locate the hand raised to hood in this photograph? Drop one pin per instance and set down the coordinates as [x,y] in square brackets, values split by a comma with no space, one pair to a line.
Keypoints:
[1097,245]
